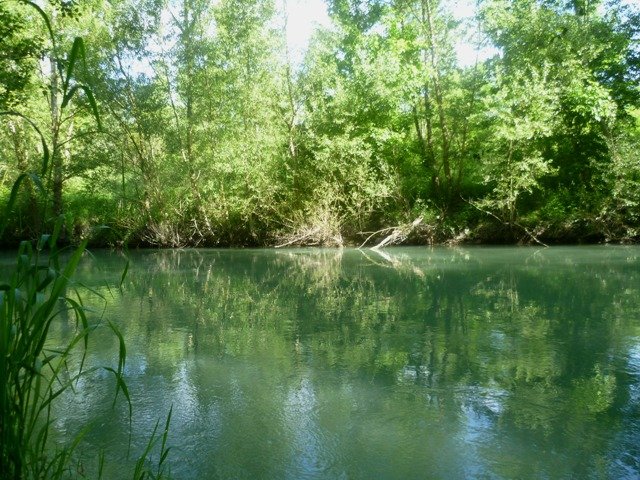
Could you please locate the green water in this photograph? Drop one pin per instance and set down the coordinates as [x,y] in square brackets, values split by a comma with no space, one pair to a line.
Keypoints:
[418,363]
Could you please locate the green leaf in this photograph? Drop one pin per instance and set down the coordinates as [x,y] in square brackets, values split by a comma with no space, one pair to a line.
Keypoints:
[119,374]
[90,98]
[77,50]
[57,228]
[124,274]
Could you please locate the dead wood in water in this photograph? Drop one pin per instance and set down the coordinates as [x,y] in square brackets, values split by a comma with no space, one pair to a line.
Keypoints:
[398,234]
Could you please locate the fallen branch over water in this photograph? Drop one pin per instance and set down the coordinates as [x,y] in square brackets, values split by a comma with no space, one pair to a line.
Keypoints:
[398,234]
[301,238]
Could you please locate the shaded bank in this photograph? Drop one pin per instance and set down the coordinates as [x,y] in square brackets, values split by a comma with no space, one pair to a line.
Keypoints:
[468,228]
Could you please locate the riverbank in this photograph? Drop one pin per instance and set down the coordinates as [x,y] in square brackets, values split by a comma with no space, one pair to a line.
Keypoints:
[422,230]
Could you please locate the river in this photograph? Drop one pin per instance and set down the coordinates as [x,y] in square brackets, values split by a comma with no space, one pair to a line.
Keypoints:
[411,363]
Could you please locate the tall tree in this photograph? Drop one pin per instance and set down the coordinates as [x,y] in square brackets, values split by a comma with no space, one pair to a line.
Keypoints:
[583,52]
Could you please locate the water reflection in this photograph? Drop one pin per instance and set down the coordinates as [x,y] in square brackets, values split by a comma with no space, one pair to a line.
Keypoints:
[409,363]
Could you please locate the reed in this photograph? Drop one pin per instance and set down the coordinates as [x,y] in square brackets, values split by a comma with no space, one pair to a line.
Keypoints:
[34,374]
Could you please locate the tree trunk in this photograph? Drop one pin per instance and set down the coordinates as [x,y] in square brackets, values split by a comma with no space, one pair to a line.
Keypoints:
[56,157]
[434,60]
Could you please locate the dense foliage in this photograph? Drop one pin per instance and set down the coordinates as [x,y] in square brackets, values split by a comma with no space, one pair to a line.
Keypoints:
[212,135]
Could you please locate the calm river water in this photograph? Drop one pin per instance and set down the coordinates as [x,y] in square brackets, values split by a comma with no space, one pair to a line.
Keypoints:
[416,363]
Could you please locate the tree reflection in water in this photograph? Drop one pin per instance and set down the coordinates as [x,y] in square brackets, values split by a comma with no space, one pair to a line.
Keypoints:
[409,363]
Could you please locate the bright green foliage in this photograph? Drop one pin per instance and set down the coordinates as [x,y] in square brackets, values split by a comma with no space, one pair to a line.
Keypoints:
[19,53]
[345,160]
[522,115]
[245,143]
[212,136]
[422,32]
[621,212]
[574,55]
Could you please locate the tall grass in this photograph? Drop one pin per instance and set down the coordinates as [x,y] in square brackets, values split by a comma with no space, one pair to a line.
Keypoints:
[32,373]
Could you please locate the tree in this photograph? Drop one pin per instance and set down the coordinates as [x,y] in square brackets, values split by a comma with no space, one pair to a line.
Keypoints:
[582,53]
[19,53]
[523,116]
